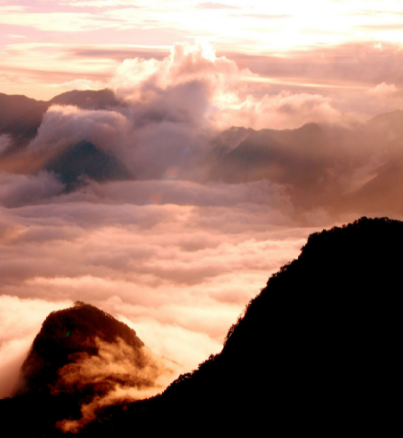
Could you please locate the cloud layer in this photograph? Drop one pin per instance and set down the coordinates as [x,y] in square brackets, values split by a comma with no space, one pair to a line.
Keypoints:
[197,216]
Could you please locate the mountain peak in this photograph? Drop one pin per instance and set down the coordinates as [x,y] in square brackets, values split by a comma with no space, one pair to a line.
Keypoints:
[64,336]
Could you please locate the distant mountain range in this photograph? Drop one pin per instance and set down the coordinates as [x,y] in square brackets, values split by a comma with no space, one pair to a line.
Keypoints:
[316,352]
[21,116]
[329,167]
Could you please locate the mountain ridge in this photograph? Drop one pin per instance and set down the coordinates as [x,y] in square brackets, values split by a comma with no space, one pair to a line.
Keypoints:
[314,351]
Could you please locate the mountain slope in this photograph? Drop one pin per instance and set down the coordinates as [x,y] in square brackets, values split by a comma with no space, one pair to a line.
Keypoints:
[316,351]
[82,358]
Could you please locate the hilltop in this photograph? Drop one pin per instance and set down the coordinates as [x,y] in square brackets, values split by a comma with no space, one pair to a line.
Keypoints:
[80,358]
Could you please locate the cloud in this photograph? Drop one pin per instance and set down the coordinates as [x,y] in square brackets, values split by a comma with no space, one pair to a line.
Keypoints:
[178,250]
[5,143]
[66,125]
[158,132]
[20,321]
[282,111]
[381,27]
[383,90]
[16,190]
[179,272]
[212,5]
[128,373]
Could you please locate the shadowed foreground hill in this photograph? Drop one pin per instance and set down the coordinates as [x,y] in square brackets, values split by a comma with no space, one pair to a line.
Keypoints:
[65,336]
[80,356]
[316,352]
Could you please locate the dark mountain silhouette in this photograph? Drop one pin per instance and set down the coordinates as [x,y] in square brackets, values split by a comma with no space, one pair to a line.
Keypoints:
[65,334]
[85,160]
[80,356]
[317,351]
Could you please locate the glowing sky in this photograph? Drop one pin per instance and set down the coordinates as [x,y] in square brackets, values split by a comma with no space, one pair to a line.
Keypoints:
[44,43]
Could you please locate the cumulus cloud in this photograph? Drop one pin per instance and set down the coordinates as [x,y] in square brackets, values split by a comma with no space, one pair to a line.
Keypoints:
[383,89]
[66,125]
[281,111]
[222,100]
[385,97]
[170,111]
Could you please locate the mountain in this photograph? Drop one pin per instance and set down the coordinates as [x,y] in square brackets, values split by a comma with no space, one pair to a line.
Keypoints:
[84,160]
[20,119]
[317,351]
[81,357]
[20,116]
[356,168]
[64,336]
[88,99]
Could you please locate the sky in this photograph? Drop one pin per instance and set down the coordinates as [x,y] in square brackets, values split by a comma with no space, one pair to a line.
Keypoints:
[178,247]
[49,46]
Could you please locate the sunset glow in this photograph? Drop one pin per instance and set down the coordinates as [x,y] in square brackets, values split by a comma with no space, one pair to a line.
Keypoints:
[172,155]
[45,45]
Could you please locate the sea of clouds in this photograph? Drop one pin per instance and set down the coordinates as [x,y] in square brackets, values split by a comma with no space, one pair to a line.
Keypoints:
[169,251]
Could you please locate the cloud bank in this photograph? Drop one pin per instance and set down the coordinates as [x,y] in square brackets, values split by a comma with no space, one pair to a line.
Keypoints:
[196,213]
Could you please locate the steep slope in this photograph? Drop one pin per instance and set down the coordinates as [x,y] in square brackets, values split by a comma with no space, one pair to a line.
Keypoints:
[316,351]
[82,358]
[64,336]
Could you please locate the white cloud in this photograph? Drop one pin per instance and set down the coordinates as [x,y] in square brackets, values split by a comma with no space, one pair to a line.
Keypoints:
[383,90]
